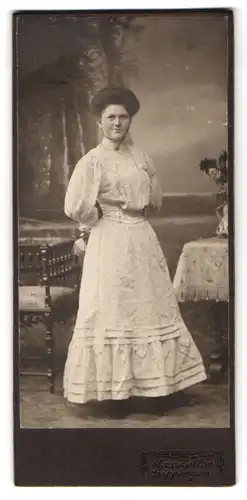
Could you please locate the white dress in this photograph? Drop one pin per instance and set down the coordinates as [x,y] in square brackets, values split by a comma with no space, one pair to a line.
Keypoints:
[129,338]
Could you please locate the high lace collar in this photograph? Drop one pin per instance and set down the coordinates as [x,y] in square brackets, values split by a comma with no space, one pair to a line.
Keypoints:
[111,146]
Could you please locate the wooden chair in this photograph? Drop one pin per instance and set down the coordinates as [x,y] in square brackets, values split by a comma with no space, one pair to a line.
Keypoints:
[49,276]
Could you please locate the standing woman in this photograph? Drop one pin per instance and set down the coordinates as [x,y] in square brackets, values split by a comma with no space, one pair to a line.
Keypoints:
[129,337]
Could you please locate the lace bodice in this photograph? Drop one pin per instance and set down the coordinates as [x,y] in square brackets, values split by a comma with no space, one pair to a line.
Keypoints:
[123,180]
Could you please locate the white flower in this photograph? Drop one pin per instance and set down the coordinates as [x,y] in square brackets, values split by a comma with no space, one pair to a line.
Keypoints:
[214,173]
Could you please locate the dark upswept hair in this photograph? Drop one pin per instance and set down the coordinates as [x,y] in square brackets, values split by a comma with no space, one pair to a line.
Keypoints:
[115,95]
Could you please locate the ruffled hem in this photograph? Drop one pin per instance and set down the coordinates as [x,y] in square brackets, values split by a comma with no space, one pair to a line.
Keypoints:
[163,390]
[150,367]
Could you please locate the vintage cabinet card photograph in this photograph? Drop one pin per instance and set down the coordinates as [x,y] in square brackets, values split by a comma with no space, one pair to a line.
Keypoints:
[123,251]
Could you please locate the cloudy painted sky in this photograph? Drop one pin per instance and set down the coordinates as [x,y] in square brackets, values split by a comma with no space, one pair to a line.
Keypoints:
[180,79]
[182,85]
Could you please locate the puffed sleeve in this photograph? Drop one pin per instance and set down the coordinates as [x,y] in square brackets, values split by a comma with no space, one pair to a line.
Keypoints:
[156,194]
[82,191]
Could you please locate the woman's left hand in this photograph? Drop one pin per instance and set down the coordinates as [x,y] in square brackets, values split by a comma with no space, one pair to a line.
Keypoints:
[148,210]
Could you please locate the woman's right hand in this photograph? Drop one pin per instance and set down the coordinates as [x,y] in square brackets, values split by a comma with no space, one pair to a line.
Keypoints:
[79,247]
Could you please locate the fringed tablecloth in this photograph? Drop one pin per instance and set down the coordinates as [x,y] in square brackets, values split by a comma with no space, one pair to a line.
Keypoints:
[202,272]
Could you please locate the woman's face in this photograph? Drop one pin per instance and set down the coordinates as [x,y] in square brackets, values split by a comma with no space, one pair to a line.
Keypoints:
[115,122]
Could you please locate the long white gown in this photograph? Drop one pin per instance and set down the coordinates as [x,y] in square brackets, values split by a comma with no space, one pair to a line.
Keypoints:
[129,338]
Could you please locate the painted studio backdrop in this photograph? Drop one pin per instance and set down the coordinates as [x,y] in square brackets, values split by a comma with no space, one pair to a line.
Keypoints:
[176,65]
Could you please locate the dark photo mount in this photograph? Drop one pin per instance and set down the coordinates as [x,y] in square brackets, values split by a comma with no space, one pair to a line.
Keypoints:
[93,456]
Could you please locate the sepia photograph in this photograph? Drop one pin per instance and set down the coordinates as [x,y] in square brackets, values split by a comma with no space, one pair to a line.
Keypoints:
[122,166]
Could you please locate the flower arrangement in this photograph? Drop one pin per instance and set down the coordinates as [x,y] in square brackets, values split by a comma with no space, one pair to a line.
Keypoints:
[218,171]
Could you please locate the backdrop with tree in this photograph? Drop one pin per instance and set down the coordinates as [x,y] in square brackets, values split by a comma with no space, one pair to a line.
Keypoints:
[61,61]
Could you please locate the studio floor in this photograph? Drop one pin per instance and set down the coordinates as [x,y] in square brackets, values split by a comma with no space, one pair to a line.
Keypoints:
[207,405]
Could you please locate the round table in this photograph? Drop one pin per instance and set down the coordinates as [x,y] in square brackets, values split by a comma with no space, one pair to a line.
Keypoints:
[203,274]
